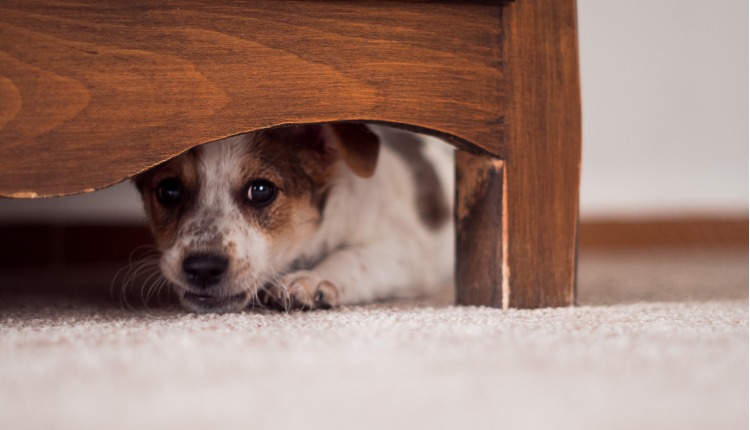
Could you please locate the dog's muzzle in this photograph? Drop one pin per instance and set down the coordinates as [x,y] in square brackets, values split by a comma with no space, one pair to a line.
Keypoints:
[203,272]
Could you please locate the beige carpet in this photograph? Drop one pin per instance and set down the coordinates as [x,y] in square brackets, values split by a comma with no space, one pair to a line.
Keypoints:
[659,341]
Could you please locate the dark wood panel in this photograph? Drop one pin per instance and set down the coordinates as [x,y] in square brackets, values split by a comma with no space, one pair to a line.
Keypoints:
[42,245]
[92,92]
[696,232]
[481,235]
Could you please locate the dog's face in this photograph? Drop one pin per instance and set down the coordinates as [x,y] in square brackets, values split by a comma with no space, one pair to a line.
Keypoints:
[231,215]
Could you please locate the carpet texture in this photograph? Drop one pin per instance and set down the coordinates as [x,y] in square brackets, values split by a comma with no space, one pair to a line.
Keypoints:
[659,341]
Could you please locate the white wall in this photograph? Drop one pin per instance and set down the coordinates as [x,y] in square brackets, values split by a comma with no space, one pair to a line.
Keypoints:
[118,204]
[665,107]
[665,110]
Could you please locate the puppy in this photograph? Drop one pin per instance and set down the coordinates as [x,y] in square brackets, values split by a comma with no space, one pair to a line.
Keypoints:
[303,217]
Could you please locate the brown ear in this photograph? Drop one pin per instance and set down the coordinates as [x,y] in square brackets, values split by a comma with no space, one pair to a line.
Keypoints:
[356,145]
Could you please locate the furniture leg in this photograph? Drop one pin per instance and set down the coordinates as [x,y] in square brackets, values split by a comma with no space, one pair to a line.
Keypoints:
[516,242]
[481,236]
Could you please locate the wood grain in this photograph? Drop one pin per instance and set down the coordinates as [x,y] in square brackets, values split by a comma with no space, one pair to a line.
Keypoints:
[481,236]
[543,140]
[92,92]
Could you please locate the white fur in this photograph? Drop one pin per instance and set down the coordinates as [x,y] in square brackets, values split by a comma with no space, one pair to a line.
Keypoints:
[370,245]
[215,209]
[375,243]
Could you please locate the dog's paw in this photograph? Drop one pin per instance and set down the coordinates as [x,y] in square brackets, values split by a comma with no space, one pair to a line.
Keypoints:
[301,290]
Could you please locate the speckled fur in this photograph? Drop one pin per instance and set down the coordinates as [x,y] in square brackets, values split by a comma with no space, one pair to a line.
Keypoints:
[331,237]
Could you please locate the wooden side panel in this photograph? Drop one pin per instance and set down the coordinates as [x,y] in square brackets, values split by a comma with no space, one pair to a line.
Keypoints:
[94,91]
[544,151]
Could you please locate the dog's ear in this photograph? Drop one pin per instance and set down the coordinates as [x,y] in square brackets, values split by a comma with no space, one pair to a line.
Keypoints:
[354,144]
[357,146]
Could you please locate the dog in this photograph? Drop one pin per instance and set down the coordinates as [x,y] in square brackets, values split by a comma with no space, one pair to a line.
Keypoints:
[303,217]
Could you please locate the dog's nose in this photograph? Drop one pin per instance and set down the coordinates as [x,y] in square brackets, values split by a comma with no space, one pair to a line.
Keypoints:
[204,270]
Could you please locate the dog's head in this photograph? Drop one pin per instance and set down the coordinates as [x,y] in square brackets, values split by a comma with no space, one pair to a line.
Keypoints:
[230,215]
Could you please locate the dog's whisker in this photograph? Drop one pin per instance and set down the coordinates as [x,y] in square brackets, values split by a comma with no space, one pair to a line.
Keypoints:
[254,298]
[149,254]
[114,281]
[125,273]
[132,284]
[158,286]
[153,285]
[254,294]
[161,284]
[130,273]
[275,281]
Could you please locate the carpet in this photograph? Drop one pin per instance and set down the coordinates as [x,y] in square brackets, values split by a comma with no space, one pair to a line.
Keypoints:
[659,340]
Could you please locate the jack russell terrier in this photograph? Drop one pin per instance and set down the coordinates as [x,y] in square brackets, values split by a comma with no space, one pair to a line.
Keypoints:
[303,217]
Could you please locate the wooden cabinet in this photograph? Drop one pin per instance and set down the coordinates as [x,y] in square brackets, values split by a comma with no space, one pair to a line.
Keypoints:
[93,92]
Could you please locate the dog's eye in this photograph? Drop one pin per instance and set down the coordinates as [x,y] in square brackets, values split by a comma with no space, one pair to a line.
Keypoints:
[169,191]
[260,192]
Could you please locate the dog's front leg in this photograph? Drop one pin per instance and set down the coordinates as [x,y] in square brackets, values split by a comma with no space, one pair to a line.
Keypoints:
[356,274]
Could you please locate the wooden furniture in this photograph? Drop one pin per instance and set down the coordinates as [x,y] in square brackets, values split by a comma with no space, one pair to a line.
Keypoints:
[95,91]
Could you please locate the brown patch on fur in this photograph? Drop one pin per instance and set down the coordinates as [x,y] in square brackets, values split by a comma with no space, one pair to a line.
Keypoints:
[165,221]
[300,161]
[431,204]
[301,166]
[320,200]
[357,146]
